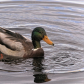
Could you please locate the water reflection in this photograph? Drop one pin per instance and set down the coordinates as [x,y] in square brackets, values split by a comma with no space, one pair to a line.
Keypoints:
[39,75]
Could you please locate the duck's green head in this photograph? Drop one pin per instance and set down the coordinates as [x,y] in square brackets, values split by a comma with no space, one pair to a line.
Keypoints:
[39,34]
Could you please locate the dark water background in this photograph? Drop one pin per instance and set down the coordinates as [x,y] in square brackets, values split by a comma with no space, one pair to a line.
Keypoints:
[63,21]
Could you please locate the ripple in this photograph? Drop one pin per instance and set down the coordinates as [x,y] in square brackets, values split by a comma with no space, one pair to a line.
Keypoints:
[65,71]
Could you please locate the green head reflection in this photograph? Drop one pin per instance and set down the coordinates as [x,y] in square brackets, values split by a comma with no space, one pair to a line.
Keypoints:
[39,75]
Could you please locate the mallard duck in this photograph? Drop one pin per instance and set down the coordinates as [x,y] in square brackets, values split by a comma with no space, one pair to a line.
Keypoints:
[13,44]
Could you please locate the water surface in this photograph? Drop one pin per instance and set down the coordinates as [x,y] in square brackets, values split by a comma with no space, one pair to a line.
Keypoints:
[63,21]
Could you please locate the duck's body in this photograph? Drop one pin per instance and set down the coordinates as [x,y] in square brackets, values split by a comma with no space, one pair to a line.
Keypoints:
[15,45]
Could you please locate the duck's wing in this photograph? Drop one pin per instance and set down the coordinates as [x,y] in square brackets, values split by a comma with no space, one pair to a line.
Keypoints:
[11,39]
[12,42]
[12,35]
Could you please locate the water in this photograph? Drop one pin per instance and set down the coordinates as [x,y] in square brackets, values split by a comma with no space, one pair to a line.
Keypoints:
[63,21]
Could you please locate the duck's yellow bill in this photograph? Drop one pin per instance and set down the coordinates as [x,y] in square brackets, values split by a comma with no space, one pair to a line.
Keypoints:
[46,39]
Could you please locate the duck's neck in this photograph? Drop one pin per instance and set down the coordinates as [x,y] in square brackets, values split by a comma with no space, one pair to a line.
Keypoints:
[36,44]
